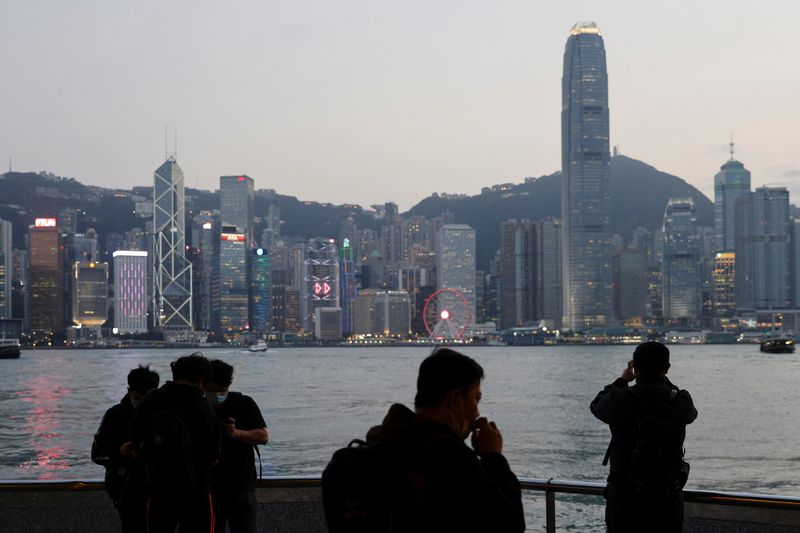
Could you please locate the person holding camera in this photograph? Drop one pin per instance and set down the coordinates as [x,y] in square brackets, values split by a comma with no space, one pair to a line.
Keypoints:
[648,426]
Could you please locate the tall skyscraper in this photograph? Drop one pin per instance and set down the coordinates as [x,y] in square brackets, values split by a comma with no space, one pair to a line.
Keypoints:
[586,171]
[347,270]
[455,261]
[320,287]
[681,297]
[6,269]
[172,272]
[730,183]
[45,279]
[724,276]
[90,294]
[547,271]
[236,204]
[516,273]
[260,301]
[233,282]
[130,291]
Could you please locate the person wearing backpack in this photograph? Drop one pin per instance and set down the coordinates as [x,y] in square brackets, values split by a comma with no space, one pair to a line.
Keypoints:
[176,436]
[415,473]
[648,426]
[123,477]
[233,485]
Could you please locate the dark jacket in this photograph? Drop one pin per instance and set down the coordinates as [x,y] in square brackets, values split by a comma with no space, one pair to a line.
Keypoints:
[449,487]
[236,469]
[617,405]
[111,435]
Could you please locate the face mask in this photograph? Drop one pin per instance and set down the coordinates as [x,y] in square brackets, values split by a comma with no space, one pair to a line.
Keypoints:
[217,398]
[135,402]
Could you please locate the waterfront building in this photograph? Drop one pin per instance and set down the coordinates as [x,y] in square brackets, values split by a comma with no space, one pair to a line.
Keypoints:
[130,291]
[278,277]
[45,294]
[631,292]
[320,287]
[90,294]
[327,324]
[274,222]
[383,312]
[455,262]
[292,322]
[204,266]
[516,273]
[763,250]
[260,303]
[236,204]
[681,276]
[233,282]
[724,276]
[348,287]
[730,184]
[172,272]
[547,271]
[585,176]
[6,269]
[392,234]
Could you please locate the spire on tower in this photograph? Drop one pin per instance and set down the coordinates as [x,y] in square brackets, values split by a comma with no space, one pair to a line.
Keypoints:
[731,145]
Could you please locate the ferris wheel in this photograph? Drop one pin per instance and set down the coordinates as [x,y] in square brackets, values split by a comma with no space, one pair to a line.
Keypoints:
[446,314]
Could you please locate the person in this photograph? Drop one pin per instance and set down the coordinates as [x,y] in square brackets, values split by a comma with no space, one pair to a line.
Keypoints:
[444,485]
[233,481]
[648,427]
[123,479]
[176,435]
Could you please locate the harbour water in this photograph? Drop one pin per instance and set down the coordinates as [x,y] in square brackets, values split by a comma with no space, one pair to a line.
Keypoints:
[316,399]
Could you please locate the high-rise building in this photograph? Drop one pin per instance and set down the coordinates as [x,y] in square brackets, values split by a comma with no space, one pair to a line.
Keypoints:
[516,273]
[172,272]
[348,288]
[455,261]
[730,183]
[724,276]
[45,292]
[321,280]
[681,296]
[130,291]
[382,312]
[585,177]
[204,266]
[547,272]
[236,204]
[631,293]
[763,249]
[6,269]
[328,323]
[233,282]
[90,294]
[260,302]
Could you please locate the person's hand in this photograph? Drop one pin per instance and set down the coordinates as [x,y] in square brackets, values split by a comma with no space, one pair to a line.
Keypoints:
[229,427]
[486,438]
[629,374]
[127,450]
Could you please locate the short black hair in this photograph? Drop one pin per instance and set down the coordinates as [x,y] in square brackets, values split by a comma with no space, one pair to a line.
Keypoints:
[443,371]
[194,368]
[142,379]
[651,358]
[221,373]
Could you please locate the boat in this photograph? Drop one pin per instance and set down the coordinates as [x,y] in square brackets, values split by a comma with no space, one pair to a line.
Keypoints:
[260,346]
[780,344]
[9,349]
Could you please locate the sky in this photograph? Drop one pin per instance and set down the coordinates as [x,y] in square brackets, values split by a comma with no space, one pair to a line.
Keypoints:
[365,101]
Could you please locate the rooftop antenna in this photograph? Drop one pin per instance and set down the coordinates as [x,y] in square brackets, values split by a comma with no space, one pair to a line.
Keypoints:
[176,141]
[732,146]
[166,150]
[9,164]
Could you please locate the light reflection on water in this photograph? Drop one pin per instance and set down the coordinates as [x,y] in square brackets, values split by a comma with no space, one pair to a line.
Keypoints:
[317,399]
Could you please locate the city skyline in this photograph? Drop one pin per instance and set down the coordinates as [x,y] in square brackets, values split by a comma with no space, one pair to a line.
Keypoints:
[326,105]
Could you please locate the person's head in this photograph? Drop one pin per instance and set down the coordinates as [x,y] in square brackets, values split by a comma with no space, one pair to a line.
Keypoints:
[651,360]
[192,369]
[449,387]
[141,380]
[219,384]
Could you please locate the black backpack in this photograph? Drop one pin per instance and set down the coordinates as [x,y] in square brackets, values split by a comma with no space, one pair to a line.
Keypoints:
[168,452]
[656,462]
[358,490]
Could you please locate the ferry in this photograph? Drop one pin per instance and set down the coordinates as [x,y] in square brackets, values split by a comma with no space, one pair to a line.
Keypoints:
[260,346]
[9,349]
[777,343]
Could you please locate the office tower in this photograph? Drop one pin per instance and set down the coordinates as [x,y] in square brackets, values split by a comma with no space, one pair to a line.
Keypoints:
[204,267]
[681,280]
[233,282]
[373,271]
[260,303]
[547,272]
[172,272]
[45,293]
[236,204]
[585,176]
[652,244]
[349,231]
[274,221]
[291,313]
[327,324]
[134,239]
[68,220]
[383,312]
[130,291]
[19,282]
[90,294]
[631,291]
[367,243]
[391,234]
[416,235]
[516,273]
[763,250]
[730,183]
[795,238]
[320,286]
[277,291]
[455,262]
[724,276]
[6,269]
[348,288]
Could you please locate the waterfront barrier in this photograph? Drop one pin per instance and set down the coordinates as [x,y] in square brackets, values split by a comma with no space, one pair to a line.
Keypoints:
[293,504]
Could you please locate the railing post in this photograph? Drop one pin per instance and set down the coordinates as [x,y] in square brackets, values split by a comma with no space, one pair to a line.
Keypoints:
[550,508]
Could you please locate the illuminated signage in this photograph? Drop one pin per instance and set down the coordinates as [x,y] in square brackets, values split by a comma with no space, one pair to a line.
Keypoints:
[207,225]
[322,290]
[129,253]
[236,237]
[260,251]
[45,223]
[346,243]
[242,178]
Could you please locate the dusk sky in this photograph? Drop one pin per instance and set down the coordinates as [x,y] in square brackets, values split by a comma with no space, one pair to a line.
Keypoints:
[369,101]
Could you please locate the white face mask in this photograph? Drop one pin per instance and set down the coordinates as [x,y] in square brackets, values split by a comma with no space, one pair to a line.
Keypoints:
[217,398]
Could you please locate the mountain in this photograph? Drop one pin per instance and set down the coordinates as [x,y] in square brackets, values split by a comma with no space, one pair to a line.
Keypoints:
[639,194]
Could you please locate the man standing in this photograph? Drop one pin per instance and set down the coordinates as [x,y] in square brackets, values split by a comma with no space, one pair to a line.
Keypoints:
[122,483]
[234,476]
[176,434]
[438,483]
[648,426]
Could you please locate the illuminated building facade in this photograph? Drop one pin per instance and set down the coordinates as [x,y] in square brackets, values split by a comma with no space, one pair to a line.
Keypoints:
[6,269]
[172,272]
[90,294]
[320,286]
[724,278]
[547,280]
[45,279]
[204,240]
[233,282]
[455,261]
[585,177]
[383,313]
[730,183]
[130,291]
[236,204]
[681,279]
[260,301]
[347,269]
[516,273]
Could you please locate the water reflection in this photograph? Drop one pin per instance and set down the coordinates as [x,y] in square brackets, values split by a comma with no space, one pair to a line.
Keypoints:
[42,421]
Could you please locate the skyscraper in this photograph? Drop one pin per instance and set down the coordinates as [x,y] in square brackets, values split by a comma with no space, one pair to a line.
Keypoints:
[585,164]
[236,203]
[90,294]
[320,287]
[260,302]
[730,183]
[130,291]
[46,279]
[233,282]
[455,261]
[172,272]
[6,269]
[681,298]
